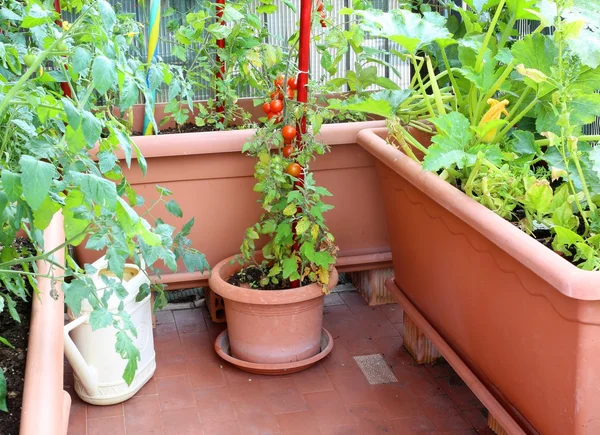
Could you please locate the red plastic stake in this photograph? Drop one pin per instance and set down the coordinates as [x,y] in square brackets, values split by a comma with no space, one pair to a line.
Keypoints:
[64,85]
[221,45]
[303,67]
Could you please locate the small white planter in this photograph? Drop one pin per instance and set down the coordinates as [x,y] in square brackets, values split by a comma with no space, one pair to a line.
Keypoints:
[97,367]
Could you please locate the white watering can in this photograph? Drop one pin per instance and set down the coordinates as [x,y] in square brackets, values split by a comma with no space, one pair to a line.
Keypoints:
[97,367]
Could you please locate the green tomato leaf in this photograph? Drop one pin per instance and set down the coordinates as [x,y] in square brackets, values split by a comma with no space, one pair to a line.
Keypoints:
[92,128]
[3,392]
[97,189]
[128,351]
[81,60]
[75,292]
[104,74]
[173,208]
[36,180]
[11,183]
[100,318]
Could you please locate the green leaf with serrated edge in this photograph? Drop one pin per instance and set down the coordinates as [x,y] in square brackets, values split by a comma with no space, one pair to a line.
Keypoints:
[290,265]
[36,180]
[100,318]
[81,59]
[538,196]
[106,161]
[140,159]
[99,190]
[303,225]
[369,105]
[128,351]
[173,208]
[537,52]
[448,146]
[73,225]
[73,115]
[563,217]
[11,183]
[484,79]
[275,270]
[43,215]
[107,14]
[523,143]
[104,73]
[11,305]
[3,392]
[194,260]
[129,93]
[308,250]
[289,210]
[411,31]
[76,140]
[75,292]
[91,127]
[187,228]
[565,238]
[584,108]
[143,292]
[149,237]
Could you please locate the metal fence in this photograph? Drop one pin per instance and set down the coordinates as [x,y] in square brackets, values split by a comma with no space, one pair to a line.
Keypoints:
[281,25]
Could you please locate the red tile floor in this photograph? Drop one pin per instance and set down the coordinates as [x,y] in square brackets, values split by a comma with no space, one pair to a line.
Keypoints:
[194,392]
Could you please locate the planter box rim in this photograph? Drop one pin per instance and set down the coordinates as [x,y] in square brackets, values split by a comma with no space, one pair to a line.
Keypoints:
[230,141]
[567,278]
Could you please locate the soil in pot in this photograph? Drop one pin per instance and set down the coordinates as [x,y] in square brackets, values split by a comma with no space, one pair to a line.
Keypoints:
[12,361]
[251,276]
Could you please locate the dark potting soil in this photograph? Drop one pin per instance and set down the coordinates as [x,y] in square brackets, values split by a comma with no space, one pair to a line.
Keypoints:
[250,277]
[190,128]
[12,361]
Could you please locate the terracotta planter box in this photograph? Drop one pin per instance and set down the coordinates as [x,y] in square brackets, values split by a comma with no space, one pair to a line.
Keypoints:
[212,181]
[524,320]
[45,404]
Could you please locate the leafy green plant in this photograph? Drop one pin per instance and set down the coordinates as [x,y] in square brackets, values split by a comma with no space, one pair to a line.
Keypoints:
[47,164]
[298,245]
[506,114]
[248,61]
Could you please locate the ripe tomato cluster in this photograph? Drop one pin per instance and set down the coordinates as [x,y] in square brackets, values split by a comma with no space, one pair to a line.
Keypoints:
[320,7]
[273,108]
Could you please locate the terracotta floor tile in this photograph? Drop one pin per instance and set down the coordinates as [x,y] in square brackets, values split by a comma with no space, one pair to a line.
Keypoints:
[104,411]
[154,431]
[459,393]
[109,425]
[397,402]
[393,312]
[328,408]
[312,380]
[347,429]
[443,413]
[376,324]
[459,432]
[283,396]
[298,423]
[205,373]
[423,387]
[440,369]
[357,341]
[214,405]
[170,366]
[148,389]
[167,344]
[339,358]
[369,418]
[352,386]
[197,345]
[255,417]
[166,331]
[77,421]
[175,392]
[164,316]
[183,421]
[414,426]
[222,428]
[399,327]
[477,417]
[142,414]
[356,303]
[189,321]
[240,390]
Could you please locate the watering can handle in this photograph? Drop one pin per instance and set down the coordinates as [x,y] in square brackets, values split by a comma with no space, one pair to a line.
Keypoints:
[84,372]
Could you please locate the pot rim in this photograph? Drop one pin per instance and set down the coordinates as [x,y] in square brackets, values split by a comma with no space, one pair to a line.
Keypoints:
[223,270]
[563,275]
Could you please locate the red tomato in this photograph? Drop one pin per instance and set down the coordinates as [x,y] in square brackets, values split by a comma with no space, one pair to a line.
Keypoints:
[319,6]
[279,81]
[276,106]
[276,95]
[288,132]
[291,94]
[323,16]
[292,83]
[287,151]
[266,108]
[294,169]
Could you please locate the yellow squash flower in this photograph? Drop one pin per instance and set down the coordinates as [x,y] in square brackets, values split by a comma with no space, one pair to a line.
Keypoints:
[497,108]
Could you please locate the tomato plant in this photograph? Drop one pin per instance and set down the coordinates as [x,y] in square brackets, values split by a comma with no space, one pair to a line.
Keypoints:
[294,169]
[287,151]
[276,106]
[266,108]
[288,132]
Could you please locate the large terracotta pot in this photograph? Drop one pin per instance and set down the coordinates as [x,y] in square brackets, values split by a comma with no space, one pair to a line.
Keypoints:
[208,174]
[270,326]
[525,320]
[45,404]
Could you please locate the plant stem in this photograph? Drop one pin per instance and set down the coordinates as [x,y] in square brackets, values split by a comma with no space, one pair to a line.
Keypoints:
[434,87]
[452,78]
[425,96]
[520,116]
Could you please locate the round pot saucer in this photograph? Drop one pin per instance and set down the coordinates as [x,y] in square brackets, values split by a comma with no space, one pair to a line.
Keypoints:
[223,350]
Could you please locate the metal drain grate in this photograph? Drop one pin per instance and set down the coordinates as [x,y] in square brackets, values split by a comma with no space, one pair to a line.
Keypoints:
[375,369]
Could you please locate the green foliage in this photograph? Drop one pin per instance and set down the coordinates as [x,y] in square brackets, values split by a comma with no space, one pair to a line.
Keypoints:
[506,114]
[46,163]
